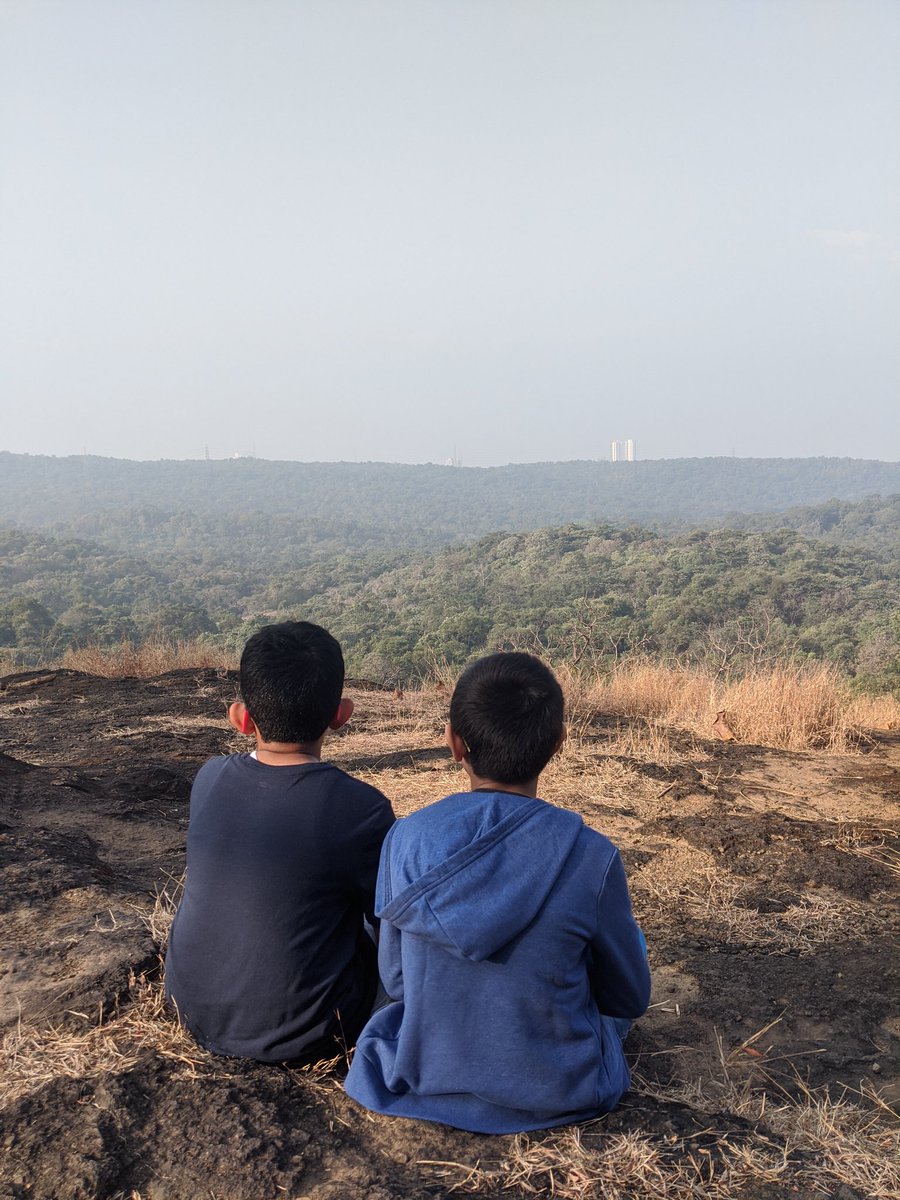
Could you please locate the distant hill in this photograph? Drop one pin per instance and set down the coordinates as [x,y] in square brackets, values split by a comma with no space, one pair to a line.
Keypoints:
[412,565]
[870,524]
[393,505]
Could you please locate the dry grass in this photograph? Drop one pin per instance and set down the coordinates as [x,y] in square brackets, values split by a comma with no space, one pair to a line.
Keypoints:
[721,905]
[857,1145]
[34,1056]
[384,724]
[642,688]
[162,914]
[744,1140]
[809,922]
[875,712]
[809,1139]
[814,1141]
[154,657]
[878,845]
[8,663]
[646,738]
[852,1139]
[793,708]
[790,707]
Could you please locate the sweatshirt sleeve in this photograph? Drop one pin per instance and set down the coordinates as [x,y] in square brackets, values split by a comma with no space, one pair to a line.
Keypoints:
[619,972]
[371,831]
[390,969]
[390,966]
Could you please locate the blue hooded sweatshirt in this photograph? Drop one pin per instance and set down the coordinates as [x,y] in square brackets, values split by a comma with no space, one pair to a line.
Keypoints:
[507,945]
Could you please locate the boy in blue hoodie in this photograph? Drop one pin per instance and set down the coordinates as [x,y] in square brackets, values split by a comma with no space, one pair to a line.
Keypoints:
[507,941]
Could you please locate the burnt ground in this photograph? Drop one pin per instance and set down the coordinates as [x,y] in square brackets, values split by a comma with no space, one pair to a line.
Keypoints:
[765,883]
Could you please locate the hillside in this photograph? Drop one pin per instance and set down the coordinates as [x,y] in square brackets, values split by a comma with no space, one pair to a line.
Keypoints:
[730,599]
[871,524]
[109,550]
[396,505]
[765,881]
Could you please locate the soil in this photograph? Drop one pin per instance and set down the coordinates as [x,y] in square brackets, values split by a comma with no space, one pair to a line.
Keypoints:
[762,880]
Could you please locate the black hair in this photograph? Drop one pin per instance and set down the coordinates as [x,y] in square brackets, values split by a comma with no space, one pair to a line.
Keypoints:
[292,676]
[508,710]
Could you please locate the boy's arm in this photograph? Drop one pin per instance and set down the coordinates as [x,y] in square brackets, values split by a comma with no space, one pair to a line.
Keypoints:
[390,969]
[619,973]
[389,963]
[372,832]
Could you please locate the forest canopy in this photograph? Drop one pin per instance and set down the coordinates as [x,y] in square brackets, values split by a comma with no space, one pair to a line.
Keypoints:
[592,592]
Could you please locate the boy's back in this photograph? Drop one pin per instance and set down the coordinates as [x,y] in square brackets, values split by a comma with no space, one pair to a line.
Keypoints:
[507,940]
[506,931]
[267,957]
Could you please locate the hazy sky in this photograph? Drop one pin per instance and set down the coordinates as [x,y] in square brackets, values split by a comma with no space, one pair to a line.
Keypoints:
[383,229]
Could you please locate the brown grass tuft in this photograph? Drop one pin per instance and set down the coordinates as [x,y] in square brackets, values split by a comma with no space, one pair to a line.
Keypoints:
[875,712]
[162,914]
[155,657]
[791,707]
[642,688]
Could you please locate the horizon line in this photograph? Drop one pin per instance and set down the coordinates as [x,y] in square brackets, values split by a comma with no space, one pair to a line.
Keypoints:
[457,465]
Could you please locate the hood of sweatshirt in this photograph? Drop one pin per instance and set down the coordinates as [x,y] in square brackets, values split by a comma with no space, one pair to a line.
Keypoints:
[472,892]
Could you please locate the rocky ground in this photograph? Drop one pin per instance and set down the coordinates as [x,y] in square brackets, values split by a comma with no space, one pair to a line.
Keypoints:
[765,883]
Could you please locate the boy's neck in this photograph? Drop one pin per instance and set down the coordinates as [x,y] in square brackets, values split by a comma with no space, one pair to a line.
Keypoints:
[528,787]
[288,754]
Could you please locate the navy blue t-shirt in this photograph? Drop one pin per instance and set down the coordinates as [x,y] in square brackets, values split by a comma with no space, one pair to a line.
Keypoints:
[267,957]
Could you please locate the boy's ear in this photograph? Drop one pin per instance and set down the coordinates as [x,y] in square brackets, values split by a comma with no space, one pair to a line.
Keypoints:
[562,740]
[240,719]
[456,745]
[343,714]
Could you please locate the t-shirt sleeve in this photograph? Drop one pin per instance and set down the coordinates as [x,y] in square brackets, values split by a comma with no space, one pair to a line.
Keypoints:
[620,975]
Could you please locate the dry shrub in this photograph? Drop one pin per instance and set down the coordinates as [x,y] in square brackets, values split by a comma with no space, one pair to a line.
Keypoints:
[875,712]
[792,706]
[577,687]
[154,657]
[643,688]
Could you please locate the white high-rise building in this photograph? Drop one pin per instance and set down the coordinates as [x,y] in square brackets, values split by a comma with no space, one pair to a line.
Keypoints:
[622,451]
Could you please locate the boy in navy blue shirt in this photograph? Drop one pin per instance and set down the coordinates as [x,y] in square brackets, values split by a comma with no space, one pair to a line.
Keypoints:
[268,957]
[506,941]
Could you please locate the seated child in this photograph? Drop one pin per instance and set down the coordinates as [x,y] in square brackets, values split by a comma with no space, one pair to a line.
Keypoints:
[506,941]
[268,957]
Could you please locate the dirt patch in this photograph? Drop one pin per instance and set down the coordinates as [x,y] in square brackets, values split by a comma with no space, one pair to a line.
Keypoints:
[765,882]
[787,855]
